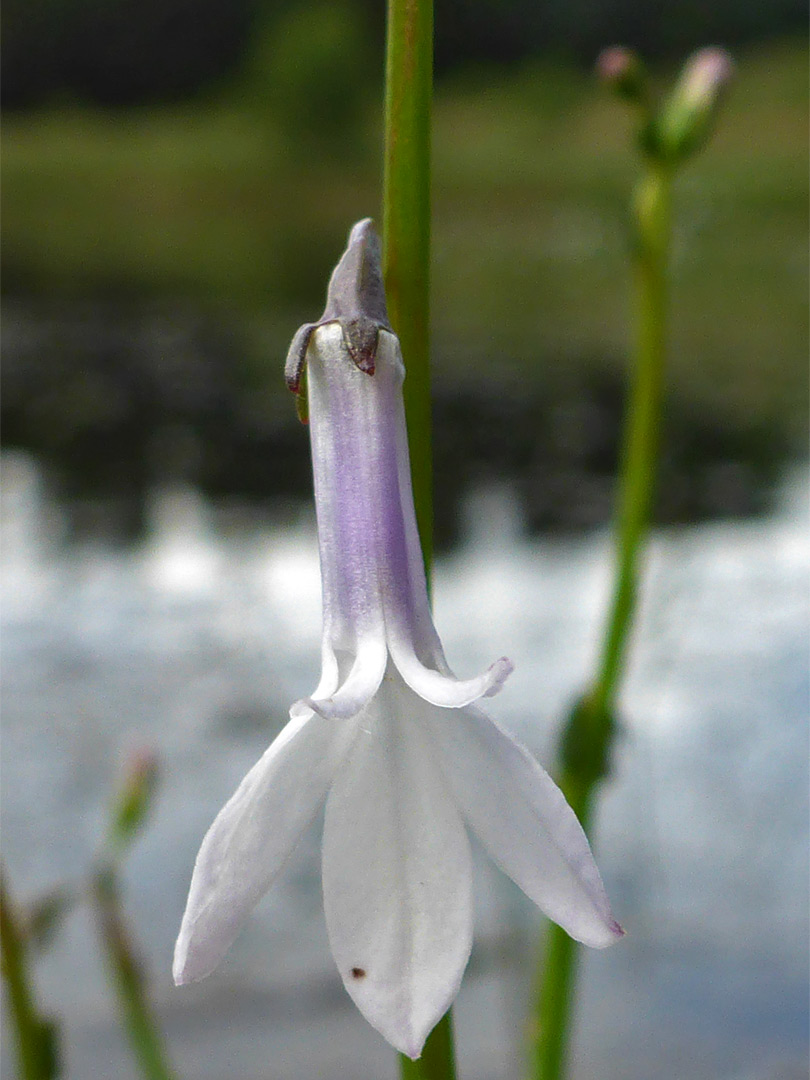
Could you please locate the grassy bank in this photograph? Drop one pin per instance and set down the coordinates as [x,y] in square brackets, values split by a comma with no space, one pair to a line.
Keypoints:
[532,171]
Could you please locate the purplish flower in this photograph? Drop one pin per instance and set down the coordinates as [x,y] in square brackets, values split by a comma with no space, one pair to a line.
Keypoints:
[391,740]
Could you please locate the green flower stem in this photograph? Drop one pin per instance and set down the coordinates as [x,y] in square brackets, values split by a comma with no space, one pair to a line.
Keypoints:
[588,735]
[653,226]
[551,1034]
[35,1036]
[438,1058]
[139,1023]
[406,228]
[406,266]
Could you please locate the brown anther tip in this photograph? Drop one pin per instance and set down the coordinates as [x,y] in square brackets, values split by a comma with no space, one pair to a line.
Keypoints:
[366,364]
[361,335]
[358,973]
[296,356]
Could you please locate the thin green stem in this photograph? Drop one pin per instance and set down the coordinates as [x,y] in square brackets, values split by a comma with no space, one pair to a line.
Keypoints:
[438,1058]
[652,213]
[589,733]
[406,228]
[139,1023]
[551,1035]
[406,266]
[35,1036]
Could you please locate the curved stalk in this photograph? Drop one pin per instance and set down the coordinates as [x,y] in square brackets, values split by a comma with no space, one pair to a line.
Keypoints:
[34,1034]
[589,733]
[126,976]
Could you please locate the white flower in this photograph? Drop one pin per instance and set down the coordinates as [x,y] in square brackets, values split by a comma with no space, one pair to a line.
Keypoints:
[390,739]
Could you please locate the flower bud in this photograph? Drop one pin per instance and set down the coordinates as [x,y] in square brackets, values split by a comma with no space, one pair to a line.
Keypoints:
[685,120]
[135,796]
[621,70]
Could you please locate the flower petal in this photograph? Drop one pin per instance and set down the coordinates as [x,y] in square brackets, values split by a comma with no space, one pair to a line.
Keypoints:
[401,565]
[446,691]
[359,687]
[344,432]
[524,822]
[396,875]
[252,837]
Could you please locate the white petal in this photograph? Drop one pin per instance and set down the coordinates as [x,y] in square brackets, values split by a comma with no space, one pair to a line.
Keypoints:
[524,822]
[359,688]
[396,875]
[437,688]
[252,837]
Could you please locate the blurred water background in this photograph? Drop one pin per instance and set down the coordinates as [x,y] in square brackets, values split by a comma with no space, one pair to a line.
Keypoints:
[195,642]
[177,183]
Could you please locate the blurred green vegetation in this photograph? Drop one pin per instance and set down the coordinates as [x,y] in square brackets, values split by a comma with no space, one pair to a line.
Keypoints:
[220,201]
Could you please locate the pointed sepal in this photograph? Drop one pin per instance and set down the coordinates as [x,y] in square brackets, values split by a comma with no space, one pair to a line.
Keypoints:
[355,300]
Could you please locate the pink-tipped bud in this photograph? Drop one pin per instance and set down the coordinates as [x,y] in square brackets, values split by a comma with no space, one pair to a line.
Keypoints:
[704,76]
[135,794]
[686,118]
[621,70]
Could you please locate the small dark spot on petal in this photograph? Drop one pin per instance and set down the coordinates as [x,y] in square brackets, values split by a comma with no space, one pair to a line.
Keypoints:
[358,973]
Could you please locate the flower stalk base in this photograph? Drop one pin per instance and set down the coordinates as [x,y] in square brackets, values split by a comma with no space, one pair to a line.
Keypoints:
[588,735]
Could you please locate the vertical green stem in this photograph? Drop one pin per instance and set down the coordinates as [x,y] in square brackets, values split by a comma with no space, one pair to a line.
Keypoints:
[406,266]
[588,735]
[138,1021]
[438,1058]
[406,228]
[652,218]
[34,1035]
[552,1032]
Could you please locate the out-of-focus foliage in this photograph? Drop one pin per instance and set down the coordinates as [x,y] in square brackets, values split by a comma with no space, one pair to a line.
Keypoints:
[311,73]
[139,51]
[532,172]
[492,30]
[156,256]
[118,52]
[156,260]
